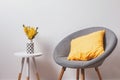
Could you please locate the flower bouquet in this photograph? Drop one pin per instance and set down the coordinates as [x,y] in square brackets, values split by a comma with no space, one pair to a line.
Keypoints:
[30,32]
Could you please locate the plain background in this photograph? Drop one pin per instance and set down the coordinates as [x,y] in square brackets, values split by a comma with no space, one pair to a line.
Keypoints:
[55,20]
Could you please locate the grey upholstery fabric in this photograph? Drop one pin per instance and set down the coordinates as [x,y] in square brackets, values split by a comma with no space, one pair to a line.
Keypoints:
[62,49]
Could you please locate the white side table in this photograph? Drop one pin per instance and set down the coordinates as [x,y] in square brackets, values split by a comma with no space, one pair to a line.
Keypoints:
[26,56]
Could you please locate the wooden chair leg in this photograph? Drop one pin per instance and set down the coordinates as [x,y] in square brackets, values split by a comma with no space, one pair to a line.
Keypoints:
[61,73]
[77,74]
[98,72]
[82,74]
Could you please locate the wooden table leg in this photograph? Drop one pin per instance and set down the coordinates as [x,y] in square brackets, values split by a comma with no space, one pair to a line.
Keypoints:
[35,65]
[28,69]
[22,64]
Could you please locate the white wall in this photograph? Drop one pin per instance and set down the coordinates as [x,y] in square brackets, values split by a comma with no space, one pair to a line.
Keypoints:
[55,19]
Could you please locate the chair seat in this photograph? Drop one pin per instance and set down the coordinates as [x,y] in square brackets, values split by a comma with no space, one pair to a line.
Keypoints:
[75,64]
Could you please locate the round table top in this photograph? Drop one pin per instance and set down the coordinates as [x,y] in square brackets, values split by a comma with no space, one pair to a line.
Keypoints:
[24,54]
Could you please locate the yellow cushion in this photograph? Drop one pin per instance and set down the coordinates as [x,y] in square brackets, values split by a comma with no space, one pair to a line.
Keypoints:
[87,47]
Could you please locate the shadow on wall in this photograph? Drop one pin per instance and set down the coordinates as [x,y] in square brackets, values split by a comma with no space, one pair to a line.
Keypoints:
[46,68]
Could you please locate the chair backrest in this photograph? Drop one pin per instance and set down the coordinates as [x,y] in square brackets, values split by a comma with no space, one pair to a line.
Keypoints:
[110,41]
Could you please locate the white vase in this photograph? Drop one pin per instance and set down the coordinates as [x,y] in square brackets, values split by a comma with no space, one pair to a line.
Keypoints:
[30,47]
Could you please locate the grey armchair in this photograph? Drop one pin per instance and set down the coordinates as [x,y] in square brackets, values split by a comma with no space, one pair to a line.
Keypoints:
[62,50]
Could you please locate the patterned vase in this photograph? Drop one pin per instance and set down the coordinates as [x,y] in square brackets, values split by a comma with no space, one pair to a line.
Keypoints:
[30,47]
